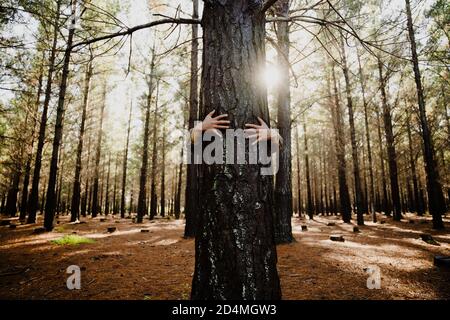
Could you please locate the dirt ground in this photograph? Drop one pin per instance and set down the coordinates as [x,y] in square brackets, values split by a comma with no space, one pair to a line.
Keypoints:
[130,264]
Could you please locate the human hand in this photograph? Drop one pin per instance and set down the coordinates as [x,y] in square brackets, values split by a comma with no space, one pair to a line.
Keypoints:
[262,132]
[210,123]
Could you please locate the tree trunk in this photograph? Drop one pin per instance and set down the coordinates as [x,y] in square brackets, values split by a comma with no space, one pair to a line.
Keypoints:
[434,189]
[26,178]
[191,207]
[142,208]
[344,196]
[51,196]
[355,155]
[235,254]
[75,207]
[283,179]
[163,172]
[390,144]
[124,169]
[299,193]
[371,193]
[95,204]
[33,202]
[107,203]
[412,164]
[153,196]
[309,204]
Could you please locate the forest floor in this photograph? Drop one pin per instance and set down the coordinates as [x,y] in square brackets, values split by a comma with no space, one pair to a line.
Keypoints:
[158,264]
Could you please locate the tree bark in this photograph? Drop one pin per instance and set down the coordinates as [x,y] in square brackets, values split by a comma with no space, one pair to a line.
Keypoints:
[142,208]
[344,196]
[75,207]
[125,165]
[434,189]
[283,179]
[51,196]
[153,196]
[371,197]
[235,256]
[95,204]
[191,207]
[33,202]
[355,155]
[390,144]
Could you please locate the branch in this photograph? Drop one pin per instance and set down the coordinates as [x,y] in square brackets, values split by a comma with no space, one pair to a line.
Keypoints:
[267,4]
[130,31]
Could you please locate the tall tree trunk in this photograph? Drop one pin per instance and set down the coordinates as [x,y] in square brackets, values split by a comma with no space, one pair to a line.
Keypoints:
[434,189]
[390,143]
[163,171]
[33,202]
[177,204]
[355,155]
[75,207]
[385,201]
[84,203]
[95,204]
[124,168]
[153,196]
[344,196]
[412,164]
[142,208]
[191,207]
[283,179]
[235,248]
[51,196]
[299,190]
[26,178]
[309,204]
[371,196]
[107,203]
[114,208]
[11,199]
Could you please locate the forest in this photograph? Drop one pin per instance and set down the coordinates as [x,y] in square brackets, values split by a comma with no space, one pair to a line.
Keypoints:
[102,105]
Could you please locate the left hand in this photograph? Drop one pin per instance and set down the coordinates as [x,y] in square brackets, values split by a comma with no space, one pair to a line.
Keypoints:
[262,132]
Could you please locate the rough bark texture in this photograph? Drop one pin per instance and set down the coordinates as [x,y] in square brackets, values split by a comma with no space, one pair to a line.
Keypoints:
[299,190]
[75,207]
[385,200]
[51,196]
[191,207]
[435,197]
[390,144]
[33,202]
[235,254]
[283,179]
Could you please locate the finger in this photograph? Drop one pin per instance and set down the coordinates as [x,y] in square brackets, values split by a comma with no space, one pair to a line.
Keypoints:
[222,121]
[221,116]
[261,121]
[220,127]
[211,113]
[252,125]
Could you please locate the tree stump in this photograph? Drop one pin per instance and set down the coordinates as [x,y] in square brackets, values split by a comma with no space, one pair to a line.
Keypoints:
[145,230]
[103,220]
[356,229]
[304,228]
[331,224]
[337,238]
[111,229]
